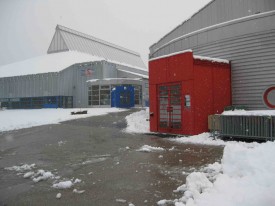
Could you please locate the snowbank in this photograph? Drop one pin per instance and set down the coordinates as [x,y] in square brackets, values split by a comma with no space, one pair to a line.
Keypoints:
[24,118]
[137,122]
[203,138]
[244,177]
[250,113]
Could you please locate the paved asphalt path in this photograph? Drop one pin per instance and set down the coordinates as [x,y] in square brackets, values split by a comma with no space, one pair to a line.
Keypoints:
[105,159]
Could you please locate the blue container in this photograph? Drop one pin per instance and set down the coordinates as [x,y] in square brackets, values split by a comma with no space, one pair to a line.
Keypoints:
[123,97]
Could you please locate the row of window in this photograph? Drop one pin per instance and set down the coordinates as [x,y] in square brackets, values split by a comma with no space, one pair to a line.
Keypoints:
[37,102]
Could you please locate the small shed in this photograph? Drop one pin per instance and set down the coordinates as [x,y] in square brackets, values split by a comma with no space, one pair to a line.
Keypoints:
[184,89]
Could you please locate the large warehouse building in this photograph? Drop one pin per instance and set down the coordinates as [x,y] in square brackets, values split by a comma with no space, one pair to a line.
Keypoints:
[241,31]
[78,71]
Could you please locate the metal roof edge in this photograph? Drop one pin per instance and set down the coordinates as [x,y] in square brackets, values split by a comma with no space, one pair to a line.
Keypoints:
[86,36]
[172,54]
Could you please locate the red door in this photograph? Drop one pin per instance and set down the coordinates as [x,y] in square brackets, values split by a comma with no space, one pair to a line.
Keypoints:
[170,103]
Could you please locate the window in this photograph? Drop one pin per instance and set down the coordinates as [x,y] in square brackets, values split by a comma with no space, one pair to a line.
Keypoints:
[138,94]
[99,95]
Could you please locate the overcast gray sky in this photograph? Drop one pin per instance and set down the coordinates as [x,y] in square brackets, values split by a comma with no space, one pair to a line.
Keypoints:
[27,26]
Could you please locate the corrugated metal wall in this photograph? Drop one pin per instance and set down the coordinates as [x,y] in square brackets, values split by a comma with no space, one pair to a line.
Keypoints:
[73,81]
[250,45]
[29,86]
[57,44]
[67,39]
[216,12]
[69,82]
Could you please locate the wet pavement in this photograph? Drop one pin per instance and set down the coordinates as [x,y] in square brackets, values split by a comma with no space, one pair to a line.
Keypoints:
[105,159]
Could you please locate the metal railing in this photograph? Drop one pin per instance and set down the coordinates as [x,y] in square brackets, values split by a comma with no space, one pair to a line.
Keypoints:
[251,127]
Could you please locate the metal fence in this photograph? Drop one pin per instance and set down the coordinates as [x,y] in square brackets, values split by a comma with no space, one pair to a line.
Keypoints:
[251,127]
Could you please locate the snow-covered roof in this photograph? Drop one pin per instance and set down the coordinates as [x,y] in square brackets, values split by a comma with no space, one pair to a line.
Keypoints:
[194,56]
[211,59]
[66,39]
[46,63]
[109,79]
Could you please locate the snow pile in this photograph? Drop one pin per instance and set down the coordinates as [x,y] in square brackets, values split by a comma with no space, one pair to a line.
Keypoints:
[41,175]
[203,138]
[137,122]
[250,113]
[245,177]
[203,58]
[148,148]
[67,184]
[23,118]
[63,185]
[58,195]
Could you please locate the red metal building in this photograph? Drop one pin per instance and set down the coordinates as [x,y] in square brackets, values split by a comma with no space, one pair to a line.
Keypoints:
[185,89]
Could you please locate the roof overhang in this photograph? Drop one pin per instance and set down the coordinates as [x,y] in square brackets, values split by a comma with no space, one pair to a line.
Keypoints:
[114,81]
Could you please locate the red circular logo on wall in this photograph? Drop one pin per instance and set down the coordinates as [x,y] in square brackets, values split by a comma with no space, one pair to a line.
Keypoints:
[269,97]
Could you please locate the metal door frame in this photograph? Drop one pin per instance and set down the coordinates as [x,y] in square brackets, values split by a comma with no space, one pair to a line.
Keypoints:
[167,101]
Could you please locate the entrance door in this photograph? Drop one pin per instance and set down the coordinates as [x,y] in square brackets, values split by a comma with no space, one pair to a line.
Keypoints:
[170,107]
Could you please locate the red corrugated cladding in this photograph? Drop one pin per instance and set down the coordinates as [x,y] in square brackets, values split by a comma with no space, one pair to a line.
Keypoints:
[207,83]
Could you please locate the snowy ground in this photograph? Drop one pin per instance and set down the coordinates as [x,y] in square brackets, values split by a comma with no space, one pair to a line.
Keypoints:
[245,175]
[138,122]
[25,118]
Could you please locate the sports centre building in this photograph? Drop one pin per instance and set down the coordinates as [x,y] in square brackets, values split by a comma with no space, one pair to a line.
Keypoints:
[78,71]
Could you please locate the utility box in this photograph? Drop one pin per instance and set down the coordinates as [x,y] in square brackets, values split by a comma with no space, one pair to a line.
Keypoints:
[184,90]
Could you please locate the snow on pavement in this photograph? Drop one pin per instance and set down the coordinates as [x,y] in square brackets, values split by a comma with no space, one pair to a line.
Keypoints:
[63,185]
[37,175]
[244,177]
[21,168]
[25,118]
[148,148]
[203,138]
[28,171]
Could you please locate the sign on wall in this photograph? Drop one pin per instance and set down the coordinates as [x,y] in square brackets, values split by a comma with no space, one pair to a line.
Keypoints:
[269,97]
[87,72]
